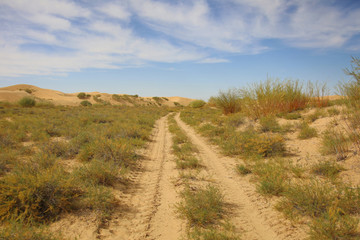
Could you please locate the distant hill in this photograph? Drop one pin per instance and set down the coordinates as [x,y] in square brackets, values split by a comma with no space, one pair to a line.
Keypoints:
[16,92]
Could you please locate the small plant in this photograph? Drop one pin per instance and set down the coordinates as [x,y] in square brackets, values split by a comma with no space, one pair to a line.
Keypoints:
[28,90]
[335,142]
[85,103]
[333,111]
[269,124]
[334,225]
[27,102]
[83,95]
[201,207]
[197,104]
[328,169]
[242,169]
[21,231]
[189,162]
[290,115]
[229,102]
[306,131]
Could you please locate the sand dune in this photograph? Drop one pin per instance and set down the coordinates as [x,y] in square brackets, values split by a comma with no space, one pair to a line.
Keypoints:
[16,92]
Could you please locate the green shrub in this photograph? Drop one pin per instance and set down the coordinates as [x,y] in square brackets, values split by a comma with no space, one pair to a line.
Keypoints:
[242,169]
[99,199]
[27,102]
[37,195]
[334,225]
[229,102]
[83,95]
[327,169]
[335,142]
[85,103]
[197,104]
[269,124]
[306,131]
[290,115]
[98,172]
[201,207]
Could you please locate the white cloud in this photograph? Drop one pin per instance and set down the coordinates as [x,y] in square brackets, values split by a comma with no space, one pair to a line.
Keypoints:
[214,60]
[116,34]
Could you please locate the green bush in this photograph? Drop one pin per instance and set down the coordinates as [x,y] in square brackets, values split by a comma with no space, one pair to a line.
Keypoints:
[201,207]
[197,104]
[328,169]
[27,102]
[20,231]
[269,124]
[37,195]
[83,95]
[229,102]
[306,131]
[85,103]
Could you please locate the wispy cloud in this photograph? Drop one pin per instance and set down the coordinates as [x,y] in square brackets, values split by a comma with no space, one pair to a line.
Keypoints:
[54,37]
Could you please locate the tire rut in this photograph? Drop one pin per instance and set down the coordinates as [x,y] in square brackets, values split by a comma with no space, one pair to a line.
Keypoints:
[250,212]
[147,202]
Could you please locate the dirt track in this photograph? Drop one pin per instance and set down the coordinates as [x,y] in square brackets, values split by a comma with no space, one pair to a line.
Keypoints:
[149,199]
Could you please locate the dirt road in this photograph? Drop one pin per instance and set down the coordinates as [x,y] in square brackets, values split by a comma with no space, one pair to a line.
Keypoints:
[250,212]
[148,201]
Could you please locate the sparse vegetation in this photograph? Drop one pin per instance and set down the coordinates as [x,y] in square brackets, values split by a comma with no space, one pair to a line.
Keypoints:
[85,103]
[306,131]
[229,102]
[83,95]
[27,102]
[197,104]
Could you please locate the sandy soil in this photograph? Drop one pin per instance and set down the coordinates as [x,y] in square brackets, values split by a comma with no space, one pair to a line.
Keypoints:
[148,202]
[16,92]
[251,213]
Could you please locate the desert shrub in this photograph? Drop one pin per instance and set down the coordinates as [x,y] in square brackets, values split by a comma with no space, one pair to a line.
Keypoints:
[37,195]
[351,88]
[265,145]
[273,97]
[272,178]
[83,95]
[57,148]
[328,169]
[234,120]
[99,199]
[311,199]
[269,124]
[28,90]
[229,102]
[333,111]
[335,142]
[27,102]
[316,115]
[85,103]
[98,172]
[188,163]
[201,207]
[306,131]
[242,169]
[117,151]
[334,225]
[197,104]
[21,231]
[318,93]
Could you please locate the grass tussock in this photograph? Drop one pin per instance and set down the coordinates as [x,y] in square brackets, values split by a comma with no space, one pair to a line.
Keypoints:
[229,102]
[329,169]
[306,132]
[201,207]
[21,231]
[335,142]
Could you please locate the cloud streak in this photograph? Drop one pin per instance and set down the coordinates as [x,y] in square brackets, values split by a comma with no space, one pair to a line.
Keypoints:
[43,38]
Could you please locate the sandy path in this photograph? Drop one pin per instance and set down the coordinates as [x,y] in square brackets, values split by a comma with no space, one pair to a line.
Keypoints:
[148,211]
[251,213]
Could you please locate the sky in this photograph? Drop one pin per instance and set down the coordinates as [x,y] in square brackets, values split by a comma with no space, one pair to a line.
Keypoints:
[188,48]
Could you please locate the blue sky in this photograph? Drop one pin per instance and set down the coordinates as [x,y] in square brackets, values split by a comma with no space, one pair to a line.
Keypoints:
[189,48]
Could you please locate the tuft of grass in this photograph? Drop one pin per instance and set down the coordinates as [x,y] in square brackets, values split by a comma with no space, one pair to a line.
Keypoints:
[229,102]
[334,225]
[85,103]
[98,172]
[242,169]
[290,115]
[201,207]
[306,132]
[27,102]
[333,111]
[197,104]
[225,232]
[37,195]
[269,124]
[328,169]
[188,163]
[335,142]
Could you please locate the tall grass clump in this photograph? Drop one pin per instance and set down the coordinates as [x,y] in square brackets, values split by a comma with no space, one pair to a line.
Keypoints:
[27,102]
[201,207]
[197,104]
[273,97]
[319,93]
[351,88]
[335,142]
[229,101]
[37,194]
[306,132]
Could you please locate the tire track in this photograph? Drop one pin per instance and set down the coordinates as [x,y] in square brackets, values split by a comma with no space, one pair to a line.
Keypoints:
[251,213]
[147,203]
